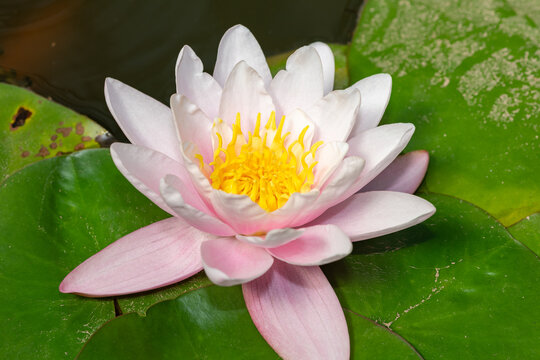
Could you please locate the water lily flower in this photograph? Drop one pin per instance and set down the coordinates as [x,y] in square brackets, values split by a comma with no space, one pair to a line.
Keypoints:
[265,179]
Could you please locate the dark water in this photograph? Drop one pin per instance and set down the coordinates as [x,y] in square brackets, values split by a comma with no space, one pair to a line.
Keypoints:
[65,48]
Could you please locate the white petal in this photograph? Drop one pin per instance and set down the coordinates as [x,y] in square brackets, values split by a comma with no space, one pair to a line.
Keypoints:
[328,157]
[301,84]
[273,238]
[144,168]
[239,44]
[375,92]
[328,64]
[173,192]
[404,174]
[338,184]
[193,126]
[379,147]
[239,211]
[376,213]
[335,115]
[143,120]
[228,261]
[318,245]
[196,85]
[244,93]
[295,122]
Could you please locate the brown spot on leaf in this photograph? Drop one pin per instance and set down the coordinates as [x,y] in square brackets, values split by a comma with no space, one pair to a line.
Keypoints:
[65,131]
[54,137]
[59,153]
[86,138]
[79,128]
[79,146]
[25,153]
[43,152]
[19,119]
[53,145]
[60,123]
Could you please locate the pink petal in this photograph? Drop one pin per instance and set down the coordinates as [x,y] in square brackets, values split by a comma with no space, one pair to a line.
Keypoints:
[239,44]
[273,238]
[244,93]
[301,84]
[199,87]
[143,120]
[404,174]
[335,115]
[328,64]
[239,211]
[339,183]
[297,312]
[188,206]
[376,213]
[318,245]
[193,126]
[378,147]
[157,255]
[329,157]
[228,261]
[375,92]
[144,168]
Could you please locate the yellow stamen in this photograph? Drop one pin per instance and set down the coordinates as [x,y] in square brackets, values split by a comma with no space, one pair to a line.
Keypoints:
[268,174]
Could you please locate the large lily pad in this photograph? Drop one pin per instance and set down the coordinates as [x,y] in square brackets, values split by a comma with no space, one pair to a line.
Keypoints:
[33,128]
[528,232]
[466,73]
[456,286]
[55,214]
[213,323]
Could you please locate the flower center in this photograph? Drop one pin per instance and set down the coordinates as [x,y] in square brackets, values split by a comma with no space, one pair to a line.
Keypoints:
[268,174]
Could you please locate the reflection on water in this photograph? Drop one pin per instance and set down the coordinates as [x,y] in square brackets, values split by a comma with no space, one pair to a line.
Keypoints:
[65,48]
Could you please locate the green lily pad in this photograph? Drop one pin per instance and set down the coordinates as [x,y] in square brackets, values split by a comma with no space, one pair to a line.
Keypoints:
[213,323]
[466,74]
[528,232]
[210,323]
[456,286]
[55,214]
[341,79]
[33,128]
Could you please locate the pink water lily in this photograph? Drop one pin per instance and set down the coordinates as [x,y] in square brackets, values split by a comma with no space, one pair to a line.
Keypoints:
[266,179]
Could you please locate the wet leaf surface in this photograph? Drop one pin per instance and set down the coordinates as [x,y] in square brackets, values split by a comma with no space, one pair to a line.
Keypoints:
[33,128]
[466,74]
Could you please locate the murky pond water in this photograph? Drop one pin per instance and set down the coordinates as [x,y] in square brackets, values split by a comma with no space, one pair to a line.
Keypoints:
[65,48]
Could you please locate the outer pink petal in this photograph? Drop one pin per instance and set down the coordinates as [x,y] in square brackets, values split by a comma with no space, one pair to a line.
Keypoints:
[157,255]
[244,93]
[143,120]
[378,147]
[328,64]
[297,312]
[201,88]
[404,174]
[239,44]
[188,206]
[375,92]
[301,84]
[193,126]
[144,168]
[376,213]
[228,261]
[318,245]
